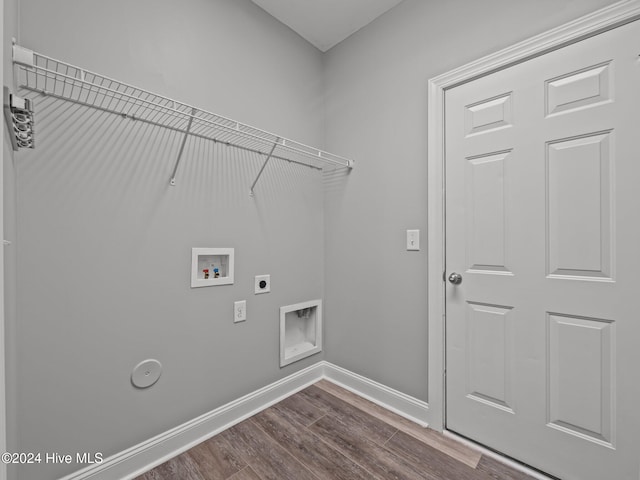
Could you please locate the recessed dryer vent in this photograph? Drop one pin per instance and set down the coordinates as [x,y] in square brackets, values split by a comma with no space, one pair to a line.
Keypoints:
[300,331]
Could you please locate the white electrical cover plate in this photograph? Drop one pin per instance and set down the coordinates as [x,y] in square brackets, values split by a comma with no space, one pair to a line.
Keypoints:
[146,373]
[239,311]
[413,239]
[261,287]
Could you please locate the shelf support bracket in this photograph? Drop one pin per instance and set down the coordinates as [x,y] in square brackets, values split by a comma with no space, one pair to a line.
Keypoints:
[263,165]
[184,142]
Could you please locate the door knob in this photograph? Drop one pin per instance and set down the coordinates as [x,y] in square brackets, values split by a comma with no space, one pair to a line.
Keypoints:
[455,278]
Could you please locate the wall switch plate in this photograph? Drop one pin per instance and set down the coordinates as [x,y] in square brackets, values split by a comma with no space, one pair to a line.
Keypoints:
[262,284]
[413,239]
[239,311]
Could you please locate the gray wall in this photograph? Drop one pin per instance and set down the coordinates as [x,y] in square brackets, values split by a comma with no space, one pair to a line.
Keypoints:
[376,104]
[10,25]
[104,243]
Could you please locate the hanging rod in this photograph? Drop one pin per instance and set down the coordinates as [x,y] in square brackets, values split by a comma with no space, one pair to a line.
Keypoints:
[48,76]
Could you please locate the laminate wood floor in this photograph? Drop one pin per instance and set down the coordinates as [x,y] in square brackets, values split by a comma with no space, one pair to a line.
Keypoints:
[327,433]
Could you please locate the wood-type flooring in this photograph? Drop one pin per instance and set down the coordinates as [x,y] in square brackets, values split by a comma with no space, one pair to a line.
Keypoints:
[327,433]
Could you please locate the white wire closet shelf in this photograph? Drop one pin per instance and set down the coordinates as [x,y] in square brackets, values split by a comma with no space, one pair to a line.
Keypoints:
[48,76]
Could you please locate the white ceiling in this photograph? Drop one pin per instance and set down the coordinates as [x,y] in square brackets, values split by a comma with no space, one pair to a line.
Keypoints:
[325,23]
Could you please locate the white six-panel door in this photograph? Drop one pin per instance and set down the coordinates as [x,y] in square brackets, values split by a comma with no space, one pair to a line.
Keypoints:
[543,224]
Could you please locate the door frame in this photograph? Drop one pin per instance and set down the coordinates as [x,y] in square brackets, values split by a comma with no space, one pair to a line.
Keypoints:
[607,18]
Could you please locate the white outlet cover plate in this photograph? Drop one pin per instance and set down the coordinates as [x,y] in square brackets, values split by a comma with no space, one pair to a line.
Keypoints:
[267,288]
[239,311]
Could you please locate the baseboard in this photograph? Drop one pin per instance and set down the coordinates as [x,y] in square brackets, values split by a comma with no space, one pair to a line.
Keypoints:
[404,405]
[134,461]
[140,458]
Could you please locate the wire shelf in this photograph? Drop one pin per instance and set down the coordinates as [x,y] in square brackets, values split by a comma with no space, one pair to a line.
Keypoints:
[48,76]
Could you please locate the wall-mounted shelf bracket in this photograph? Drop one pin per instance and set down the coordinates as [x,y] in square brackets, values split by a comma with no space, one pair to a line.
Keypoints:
[184,142]
[19,115]
[263,166]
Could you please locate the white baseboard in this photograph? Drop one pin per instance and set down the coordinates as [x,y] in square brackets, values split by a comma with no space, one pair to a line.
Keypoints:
[140,458]
[404,405]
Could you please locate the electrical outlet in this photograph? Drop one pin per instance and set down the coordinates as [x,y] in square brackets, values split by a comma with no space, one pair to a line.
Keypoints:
[263,284]
[239,311]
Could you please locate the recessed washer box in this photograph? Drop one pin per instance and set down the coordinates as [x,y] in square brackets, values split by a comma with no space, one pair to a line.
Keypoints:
[300,331]
[211,267]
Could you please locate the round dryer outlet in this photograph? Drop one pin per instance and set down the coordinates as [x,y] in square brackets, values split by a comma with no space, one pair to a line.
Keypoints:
[262,284]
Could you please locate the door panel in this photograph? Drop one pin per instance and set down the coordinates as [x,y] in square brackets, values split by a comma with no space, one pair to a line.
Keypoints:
[542,203]
[579,214]
[581,374]
[485,199]
[587,87]
[490,355]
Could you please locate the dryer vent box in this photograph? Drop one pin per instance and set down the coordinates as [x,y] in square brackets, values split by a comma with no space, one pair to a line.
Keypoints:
[211,266]
[300,331]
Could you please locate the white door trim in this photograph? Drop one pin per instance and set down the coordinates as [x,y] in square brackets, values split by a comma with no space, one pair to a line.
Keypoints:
[602,20]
